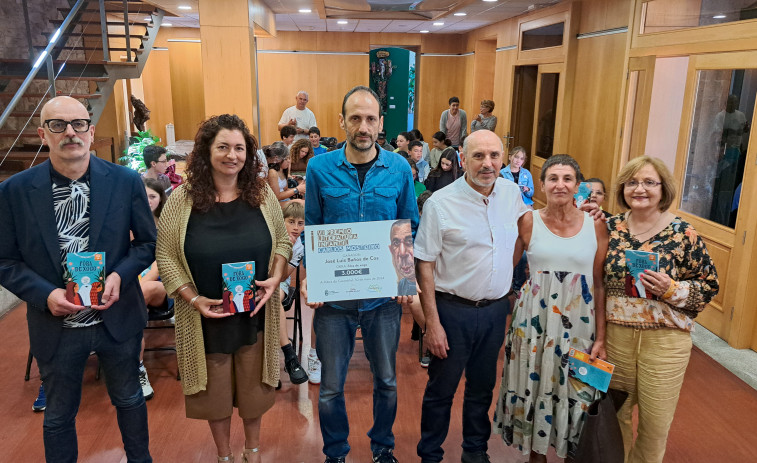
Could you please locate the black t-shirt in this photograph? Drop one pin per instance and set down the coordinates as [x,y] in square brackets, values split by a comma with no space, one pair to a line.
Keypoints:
[227,233]
[363,169]
[516,176]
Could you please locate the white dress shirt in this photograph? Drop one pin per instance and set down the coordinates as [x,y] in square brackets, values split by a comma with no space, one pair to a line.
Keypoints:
[471,237]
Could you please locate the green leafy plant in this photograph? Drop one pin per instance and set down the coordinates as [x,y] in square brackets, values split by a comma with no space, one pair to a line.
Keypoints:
[133,157]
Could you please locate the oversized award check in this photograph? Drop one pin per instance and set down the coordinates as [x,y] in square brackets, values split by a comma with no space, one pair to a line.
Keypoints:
[361,260]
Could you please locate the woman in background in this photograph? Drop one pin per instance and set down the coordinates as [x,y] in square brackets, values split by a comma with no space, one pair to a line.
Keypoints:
[299,155]
[485,119]
[279,161]
[445,173]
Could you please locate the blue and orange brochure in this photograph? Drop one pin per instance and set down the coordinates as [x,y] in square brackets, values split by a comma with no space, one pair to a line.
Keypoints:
[584,193]
[84,278]
[637,262]
[596,374]
[238,287]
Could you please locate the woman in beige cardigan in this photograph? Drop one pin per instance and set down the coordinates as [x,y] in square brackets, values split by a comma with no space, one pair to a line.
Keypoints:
[224,213]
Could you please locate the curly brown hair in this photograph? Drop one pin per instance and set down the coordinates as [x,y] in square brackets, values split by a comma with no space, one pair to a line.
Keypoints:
[294,151]
[200,186]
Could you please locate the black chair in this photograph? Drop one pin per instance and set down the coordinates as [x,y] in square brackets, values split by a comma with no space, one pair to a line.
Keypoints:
[161,318]
[296,317]
[328,142]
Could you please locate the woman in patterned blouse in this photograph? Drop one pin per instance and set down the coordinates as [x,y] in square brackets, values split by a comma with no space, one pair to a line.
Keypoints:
[649,322]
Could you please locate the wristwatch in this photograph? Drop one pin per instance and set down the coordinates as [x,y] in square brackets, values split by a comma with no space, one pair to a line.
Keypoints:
[296,191]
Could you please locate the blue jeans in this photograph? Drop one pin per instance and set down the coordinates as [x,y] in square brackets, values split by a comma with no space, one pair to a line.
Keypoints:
[335,330]
[475,336]
[62,377]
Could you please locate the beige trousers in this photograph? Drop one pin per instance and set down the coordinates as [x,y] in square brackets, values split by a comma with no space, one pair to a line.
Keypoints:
[650,366]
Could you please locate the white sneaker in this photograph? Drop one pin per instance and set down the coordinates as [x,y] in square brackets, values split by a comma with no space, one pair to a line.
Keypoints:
[314,369]
[147,389]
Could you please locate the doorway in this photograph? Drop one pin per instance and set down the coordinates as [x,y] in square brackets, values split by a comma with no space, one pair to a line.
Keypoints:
[525,79]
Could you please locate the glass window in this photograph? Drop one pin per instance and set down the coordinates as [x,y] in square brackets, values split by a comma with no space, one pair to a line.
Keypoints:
[723,111]
[543,37]
[668,15]
[545,126]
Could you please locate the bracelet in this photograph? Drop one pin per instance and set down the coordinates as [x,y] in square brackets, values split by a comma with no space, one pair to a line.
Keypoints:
[192,301]
[186,286]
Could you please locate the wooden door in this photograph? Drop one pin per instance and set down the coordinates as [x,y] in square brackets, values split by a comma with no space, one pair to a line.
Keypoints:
[548,121]
[715,167]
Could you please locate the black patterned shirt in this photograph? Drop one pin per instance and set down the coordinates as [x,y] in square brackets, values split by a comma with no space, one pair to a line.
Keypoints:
[71,206]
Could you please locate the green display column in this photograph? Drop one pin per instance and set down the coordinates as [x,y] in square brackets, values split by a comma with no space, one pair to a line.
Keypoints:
[393,78]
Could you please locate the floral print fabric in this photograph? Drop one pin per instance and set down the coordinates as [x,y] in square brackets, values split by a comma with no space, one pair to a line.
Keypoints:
[683,257]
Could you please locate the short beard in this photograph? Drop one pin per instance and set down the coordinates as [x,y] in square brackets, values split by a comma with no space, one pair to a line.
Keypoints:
[358,148]
[482,184]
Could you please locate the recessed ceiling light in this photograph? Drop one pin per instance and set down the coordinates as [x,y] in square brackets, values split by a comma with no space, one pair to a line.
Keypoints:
[148,19]
[342,21]
[185,7]
[490,0]
[424,32]
[167,24]
[460,14]
[305,10]
[438,24]
[719,16]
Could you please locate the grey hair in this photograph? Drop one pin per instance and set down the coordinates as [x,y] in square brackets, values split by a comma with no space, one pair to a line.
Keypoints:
[560,160]
[303,92]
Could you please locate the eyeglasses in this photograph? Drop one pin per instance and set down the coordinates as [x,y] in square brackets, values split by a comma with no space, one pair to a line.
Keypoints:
[162,161]
[646,184]
[59,125]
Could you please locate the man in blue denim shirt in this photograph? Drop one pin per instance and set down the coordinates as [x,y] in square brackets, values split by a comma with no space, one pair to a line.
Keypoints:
[359,183]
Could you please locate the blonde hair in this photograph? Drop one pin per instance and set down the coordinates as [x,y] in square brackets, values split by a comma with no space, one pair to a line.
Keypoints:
[294,209]
[668,184]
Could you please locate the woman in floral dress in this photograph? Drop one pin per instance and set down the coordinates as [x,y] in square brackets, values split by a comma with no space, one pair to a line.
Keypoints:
[559,308]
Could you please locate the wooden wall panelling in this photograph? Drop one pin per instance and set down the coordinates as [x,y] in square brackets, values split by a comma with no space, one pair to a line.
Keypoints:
[383,39]
[187,93]
[326,78]
[290,40]
[156,79]
[280,77]
[503,89]
[442,43]
[111,125]
[596,96]
[343,41]
[467,101]
[483,74]
[228,80]
[600,15]
[440,77]
[336,76]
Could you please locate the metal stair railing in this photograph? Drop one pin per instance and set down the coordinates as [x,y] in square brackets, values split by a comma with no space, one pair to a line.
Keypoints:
[113,72]
[45,55]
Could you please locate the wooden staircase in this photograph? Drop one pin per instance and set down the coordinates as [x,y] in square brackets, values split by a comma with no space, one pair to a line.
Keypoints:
[82,69]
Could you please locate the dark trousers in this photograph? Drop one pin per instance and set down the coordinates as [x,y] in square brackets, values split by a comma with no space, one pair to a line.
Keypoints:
[62,377]
[475,336]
